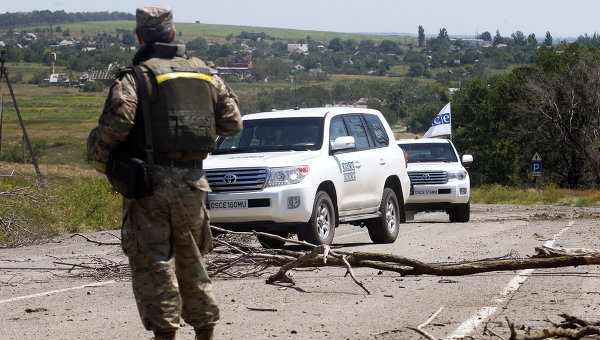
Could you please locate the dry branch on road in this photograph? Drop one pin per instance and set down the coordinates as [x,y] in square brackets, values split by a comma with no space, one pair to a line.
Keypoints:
[321,256]
[578,330]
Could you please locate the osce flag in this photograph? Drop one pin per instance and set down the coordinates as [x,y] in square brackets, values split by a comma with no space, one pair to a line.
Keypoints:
[441,124]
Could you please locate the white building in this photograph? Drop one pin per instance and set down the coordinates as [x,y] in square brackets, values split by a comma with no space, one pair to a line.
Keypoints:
[302,48]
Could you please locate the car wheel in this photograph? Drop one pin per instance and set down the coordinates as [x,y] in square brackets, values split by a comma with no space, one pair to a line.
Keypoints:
[272,243]
[321,226]
[461,213]
[384,229]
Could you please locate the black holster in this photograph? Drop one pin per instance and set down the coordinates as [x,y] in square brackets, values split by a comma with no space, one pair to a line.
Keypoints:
[129,176]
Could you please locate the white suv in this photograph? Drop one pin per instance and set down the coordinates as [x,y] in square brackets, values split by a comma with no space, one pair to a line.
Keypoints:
[438,177]
[305,171]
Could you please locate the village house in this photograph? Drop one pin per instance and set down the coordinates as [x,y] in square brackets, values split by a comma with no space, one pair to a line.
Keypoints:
[237,64]
[301,48]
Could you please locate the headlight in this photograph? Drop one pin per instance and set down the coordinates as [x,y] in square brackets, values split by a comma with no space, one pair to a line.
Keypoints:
[287,175]
[457,175]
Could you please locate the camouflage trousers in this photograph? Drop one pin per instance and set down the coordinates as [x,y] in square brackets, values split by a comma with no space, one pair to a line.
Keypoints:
[164,237]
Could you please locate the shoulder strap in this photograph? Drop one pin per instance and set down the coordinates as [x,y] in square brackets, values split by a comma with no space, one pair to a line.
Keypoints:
[143,96]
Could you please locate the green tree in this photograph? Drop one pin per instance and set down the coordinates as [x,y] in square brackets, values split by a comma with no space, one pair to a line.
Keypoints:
[365,45]
[335,44]
[388,46]
[197,44]
[518,38]
[531,40]
[487,36]
[483,124]
[497,39]
[548,40]
[563,99]
[421,36]
[443,35]
[418,70]
[128,38]
[350,45]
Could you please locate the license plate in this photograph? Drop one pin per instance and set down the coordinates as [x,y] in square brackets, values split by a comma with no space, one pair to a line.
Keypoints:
[221,205]
[425,192]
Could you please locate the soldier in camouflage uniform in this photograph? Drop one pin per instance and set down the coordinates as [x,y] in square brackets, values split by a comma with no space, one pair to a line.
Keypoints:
[166,235]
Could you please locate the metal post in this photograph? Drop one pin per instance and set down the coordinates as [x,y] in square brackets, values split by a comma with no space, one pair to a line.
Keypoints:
[4,74]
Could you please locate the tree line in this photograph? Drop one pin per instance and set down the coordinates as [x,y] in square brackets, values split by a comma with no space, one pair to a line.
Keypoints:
[551,106]
[46,17]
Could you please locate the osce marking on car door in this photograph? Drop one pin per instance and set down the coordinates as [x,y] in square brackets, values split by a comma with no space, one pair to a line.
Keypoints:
[349,172]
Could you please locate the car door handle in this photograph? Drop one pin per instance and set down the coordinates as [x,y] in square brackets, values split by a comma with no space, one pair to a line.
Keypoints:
[357,164]
[381,161]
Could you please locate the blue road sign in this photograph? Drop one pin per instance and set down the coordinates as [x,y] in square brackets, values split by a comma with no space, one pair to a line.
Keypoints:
[536,165]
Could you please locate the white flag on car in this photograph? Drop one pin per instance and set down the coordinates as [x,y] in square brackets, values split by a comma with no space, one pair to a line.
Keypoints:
[441,124]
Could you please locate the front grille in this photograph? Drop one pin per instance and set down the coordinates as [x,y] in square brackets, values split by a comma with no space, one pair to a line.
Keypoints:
[428,177]
[237,179]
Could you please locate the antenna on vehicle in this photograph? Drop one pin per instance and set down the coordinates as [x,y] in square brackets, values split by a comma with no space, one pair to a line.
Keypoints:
[295,96]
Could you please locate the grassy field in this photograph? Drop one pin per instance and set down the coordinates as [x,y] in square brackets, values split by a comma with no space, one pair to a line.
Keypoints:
[57,118]
[213,32]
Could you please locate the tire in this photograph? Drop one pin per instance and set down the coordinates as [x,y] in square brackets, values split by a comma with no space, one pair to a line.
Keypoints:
[385,228]
[461,213]
[321,226]
[271,243]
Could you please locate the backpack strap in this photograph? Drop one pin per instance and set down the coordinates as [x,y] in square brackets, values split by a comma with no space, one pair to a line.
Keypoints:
[143,96]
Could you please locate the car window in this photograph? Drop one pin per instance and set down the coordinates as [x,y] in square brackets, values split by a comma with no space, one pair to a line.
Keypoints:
[429,152]
[279,134]
[380,136]
[356,129]
[336,129]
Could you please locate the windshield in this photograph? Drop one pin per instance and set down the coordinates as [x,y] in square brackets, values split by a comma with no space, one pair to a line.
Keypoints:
[429,152]
[279,134]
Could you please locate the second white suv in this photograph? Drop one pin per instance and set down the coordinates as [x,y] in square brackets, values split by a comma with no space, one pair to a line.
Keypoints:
[439,178]
[305,171]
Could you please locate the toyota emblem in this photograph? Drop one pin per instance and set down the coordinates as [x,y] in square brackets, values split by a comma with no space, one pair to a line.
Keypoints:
[229,178]
[425,177]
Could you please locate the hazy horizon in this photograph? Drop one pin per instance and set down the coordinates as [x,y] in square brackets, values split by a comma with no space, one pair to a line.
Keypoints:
[460,17]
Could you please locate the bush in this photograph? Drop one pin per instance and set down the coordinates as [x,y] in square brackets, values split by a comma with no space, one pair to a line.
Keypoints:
[93,86]
[19,153]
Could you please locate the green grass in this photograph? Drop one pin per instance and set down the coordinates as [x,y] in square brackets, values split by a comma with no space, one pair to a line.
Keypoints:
[61,204]
[62,117]
[212,31]
[497,194]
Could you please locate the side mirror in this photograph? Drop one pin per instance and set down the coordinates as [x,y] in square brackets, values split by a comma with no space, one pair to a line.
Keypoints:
[343,143]
[467,158]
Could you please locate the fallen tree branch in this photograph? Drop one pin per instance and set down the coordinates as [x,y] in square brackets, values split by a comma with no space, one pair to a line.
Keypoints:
[571,334]
[323,250]
[321,256]
[419,329]
[545,251]
[100,243]
[282,273]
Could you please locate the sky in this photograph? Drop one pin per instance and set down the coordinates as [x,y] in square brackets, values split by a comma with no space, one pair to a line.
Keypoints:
[459,17]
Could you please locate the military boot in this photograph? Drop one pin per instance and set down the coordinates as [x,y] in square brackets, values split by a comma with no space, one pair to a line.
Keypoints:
[204,333]
[168,334]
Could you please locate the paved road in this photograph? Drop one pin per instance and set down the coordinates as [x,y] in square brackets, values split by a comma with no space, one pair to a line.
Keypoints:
[39,299]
